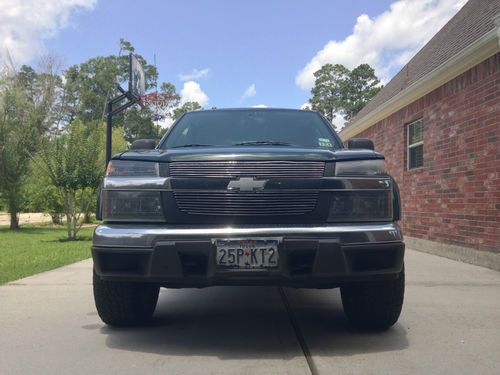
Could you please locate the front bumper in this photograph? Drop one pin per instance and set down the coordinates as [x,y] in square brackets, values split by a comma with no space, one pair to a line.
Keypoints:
[310,256]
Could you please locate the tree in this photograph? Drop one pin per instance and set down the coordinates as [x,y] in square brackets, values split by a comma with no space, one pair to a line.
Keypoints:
[41,195]
[363,86]
[157,106]
[27,110]
[340,90]
[91,83]
[72,163]
[186,107]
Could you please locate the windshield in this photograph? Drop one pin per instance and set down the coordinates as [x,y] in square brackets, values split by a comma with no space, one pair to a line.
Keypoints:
[252,128]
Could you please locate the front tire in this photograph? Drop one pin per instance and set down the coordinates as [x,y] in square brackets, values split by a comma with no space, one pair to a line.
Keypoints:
[124,303]
[374,305]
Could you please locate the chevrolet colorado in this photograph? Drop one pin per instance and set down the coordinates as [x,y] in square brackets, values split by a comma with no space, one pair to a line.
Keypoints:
[249,197]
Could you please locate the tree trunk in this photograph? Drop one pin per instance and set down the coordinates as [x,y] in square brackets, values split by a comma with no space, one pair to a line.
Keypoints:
[14,213]
[56,218]
[67,204]
[14,221]
[75,216]
[87,218]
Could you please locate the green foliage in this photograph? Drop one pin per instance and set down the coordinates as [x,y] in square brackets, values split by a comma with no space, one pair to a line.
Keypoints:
[91,84]
[119,142]
[71,158]
[64,117]
[340,90]
[72,163]
[138,124]
[41,195]
[28,107]
[31,250]
[186,107]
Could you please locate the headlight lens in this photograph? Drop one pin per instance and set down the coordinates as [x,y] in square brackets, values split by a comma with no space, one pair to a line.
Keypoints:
[132,206]
[372,167]
[129,168]
[352,206]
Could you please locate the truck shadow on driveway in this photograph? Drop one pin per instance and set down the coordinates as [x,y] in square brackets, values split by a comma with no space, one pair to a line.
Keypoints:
[250,322]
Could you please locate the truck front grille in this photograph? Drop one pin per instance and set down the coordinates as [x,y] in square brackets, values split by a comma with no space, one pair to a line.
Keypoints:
[262,203]
[258,169]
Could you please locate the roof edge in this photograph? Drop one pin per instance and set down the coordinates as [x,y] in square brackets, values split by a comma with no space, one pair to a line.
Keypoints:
[480,50]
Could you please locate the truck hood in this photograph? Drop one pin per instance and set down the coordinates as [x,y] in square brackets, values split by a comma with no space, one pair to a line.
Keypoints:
[247,153]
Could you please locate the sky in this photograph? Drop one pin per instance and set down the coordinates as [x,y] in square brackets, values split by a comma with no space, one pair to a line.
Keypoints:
[226,53]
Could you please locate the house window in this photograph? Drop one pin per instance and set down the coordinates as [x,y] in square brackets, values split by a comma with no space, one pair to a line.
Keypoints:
[416,144]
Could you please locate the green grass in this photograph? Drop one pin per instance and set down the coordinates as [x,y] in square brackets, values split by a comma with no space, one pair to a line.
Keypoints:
[34,249]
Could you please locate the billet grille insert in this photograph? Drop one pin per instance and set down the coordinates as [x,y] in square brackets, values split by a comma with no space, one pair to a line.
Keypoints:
[257,169]
[262,203]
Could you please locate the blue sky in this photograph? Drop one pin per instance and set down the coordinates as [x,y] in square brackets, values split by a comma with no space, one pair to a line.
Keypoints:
[267,49]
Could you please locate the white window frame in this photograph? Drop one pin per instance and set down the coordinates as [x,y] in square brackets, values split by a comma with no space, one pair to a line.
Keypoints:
[416,144]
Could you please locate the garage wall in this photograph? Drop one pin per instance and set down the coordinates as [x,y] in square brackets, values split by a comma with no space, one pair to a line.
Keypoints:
[455,197]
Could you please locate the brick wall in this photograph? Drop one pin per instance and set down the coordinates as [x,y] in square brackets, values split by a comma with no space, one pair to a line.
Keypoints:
[455,197]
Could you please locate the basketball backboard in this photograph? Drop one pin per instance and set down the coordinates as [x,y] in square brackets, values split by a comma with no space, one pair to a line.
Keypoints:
[137,78]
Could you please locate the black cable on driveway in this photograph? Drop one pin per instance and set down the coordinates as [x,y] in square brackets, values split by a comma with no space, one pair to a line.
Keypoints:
[298,332]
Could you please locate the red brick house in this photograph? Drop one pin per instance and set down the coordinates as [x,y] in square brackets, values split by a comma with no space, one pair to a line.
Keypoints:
[438,124]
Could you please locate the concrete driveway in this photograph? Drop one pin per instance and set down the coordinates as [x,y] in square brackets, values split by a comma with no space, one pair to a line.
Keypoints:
[450,324]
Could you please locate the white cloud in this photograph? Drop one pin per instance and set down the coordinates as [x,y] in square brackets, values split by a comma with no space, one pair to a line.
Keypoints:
[192,92]
[259,106]
[24,24]
[306,106]
[249,92]
[166,122]
[387,41]
[195,74]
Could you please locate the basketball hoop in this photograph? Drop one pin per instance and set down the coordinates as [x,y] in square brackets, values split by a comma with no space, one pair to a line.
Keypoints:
[137,77]
[157,99]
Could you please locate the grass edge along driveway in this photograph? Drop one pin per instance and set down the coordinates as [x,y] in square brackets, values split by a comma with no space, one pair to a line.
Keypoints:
[35,249]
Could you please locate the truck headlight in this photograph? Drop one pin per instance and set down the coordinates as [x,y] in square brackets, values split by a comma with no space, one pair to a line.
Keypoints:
[132,206]
[373,167]
[361,206]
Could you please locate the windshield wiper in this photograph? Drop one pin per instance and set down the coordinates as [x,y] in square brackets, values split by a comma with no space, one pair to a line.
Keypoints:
[194,145]
[265,143]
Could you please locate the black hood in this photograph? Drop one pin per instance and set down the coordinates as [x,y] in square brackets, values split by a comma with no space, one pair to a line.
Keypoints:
[247,153]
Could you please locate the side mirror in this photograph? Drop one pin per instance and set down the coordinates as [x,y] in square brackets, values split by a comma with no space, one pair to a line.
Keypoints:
[364,143]
[143,144]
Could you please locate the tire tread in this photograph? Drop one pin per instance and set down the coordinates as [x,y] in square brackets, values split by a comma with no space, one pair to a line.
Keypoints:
[374,305]
[124,303]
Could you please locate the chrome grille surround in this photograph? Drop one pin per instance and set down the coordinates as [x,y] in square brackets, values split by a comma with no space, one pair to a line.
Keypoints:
[257,169]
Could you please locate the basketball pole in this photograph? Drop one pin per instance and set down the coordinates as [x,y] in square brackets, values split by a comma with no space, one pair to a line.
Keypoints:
[110,112]
[109,117]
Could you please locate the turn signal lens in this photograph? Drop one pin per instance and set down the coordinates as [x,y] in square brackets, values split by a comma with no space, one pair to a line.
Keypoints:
[128,168]
[374,167]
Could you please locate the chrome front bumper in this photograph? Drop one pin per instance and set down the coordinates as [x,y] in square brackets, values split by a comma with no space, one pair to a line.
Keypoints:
[184,256]
[123,235]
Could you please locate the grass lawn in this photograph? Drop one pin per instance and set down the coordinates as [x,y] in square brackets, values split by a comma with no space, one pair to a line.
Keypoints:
[34,249]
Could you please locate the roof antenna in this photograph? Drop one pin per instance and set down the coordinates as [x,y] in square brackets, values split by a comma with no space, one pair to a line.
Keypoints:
[157,109]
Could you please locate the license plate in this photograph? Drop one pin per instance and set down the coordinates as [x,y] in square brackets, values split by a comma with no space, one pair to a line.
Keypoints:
[247,253]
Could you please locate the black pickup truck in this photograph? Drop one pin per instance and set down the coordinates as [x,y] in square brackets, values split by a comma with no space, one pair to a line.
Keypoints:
[249,197]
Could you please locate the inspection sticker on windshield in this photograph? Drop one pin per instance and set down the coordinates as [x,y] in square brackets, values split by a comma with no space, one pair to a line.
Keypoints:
[324,142]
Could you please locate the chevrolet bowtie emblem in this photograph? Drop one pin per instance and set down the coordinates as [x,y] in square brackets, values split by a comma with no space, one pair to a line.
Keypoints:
[246,184]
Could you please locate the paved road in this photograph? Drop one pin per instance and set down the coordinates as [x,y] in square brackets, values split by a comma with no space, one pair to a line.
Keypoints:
[450,324]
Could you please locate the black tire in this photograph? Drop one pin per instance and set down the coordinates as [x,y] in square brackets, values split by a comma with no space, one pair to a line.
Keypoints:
[374,305]
[124,303]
